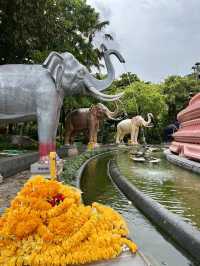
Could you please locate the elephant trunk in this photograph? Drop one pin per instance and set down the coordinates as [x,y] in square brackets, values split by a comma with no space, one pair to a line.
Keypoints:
[112,114]
[148,122]
[101,85]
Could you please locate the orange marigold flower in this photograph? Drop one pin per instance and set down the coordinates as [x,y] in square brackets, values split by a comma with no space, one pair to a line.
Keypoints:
[35,232]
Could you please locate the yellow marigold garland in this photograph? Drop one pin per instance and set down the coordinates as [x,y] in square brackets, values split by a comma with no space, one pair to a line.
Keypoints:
[34,231]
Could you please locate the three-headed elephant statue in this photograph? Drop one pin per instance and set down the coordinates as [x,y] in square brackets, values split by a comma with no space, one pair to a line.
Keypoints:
[132,126]
[29,92]
[87,120]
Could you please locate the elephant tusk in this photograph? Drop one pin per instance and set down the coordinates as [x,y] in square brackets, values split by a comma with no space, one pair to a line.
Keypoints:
[104,99]
[116,112]
[103,96]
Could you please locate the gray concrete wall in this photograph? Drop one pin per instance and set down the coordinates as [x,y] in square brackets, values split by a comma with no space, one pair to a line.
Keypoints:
[185,235]
[13,165]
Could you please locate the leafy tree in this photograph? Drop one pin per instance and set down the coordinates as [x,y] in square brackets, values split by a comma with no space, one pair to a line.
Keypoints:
[31,29]
[164,100]
[141,98]
[178,91]
[125,80]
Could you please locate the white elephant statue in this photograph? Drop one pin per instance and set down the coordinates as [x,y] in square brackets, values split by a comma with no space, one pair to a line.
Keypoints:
[132,126]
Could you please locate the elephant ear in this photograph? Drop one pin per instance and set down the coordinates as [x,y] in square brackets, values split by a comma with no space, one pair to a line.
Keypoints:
[93,109]
[54,64]
[136,120]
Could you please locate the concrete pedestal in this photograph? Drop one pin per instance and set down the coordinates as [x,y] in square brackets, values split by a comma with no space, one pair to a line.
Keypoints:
[39,168]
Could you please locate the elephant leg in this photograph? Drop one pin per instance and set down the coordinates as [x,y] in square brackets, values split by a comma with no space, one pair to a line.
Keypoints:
[68,132]
[91,137]
[118,137]
[136,135]
[95,137]
[72,136]
[121,138]
[133,132]
[92,133]
[57,118]
[52,147]
[67,138]
[47,127]
[96,128]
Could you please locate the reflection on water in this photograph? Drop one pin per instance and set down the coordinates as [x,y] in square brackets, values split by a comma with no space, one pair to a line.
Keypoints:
[175,188]
[96,186]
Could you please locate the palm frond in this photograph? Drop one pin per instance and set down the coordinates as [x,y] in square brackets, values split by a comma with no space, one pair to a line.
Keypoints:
[101,25]
[108,36]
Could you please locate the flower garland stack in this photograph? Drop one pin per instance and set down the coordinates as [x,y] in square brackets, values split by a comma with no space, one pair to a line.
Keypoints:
[47,224]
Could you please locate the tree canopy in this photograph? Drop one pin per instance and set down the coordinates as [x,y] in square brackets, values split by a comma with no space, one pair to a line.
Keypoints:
[31,29]
[164,100]
[178,91]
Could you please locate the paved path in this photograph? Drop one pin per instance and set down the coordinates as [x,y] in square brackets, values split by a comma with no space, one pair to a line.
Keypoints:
[10,187]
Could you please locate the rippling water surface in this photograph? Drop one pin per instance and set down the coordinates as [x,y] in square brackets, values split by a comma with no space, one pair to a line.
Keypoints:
[175,188]
[96,186]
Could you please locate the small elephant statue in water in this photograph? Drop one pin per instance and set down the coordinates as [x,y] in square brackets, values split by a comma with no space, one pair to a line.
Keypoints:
[36,92]
[87,120]
[132,126]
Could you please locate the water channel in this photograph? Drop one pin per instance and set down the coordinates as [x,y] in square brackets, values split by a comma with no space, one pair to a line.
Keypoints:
[97,186]
[175,188]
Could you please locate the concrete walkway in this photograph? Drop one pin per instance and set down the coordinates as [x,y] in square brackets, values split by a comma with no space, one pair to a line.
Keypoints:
[10,187]
[126,259]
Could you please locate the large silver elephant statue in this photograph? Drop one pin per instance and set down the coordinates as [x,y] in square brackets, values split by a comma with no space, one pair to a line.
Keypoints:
[30,92]
[87,120]
[132,126]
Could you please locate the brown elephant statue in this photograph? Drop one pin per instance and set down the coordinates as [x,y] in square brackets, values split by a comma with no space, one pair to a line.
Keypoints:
[132,126]
[87,120]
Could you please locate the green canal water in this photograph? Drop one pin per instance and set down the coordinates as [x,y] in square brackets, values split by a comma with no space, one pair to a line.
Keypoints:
[175,188]
[97,186]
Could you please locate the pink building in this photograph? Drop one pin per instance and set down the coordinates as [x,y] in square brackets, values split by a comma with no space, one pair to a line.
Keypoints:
[187,139]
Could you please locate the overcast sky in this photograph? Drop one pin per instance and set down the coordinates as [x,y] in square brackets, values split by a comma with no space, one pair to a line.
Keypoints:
[157,38]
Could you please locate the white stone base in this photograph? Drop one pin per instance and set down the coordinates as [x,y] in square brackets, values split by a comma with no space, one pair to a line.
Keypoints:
[43,169]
